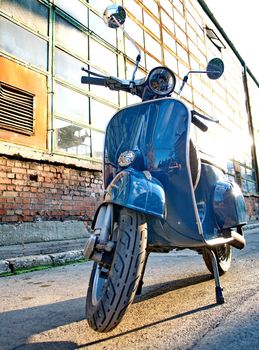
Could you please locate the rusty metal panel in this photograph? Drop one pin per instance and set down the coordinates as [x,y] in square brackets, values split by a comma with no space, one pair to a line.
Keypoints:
[34,85]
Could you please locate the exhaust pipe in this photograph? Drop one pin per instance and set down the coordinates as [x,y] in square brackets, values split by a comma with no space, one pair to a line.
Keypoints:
[238,241]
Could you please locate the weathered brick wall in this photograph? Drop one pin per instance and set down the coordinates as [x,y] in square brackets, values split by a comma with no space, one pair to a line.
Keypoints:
[31,191]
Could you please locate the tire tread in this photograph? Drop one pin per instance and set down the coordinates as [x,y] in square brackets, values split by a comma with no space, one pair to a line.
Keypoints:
[126,270]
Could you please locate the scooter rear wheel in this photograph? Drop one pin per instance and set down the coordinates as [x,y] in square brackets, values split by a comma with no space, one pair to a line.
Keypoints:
[112,289]
[223,255]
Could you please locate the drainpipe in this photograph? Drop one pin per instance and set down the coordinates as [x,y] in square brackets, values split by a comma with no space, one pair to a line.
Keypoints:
[251,127]
[51,78]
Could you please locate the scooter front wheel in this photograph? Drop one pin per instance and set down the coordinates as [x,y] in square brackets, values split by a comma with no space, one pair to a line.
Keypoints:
[223,255]
[112,289]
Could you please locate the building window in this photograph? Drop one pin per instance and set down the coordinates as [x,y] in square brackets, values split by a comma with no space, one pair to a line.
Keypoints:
[68,36]
[22,44]
[81,112]
[211,34]
[33,14]
[243,175]
[72,138]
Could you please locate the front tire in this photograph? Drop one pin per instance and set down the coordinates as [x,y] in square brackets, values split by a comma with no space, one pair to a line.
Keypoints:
[223,255]
[112,290]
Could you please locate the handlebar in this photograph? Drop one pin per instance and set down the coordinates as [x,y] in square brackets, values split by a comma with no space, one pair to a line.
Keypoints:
[111,82]
[203,127]
[197,122]
[94,81]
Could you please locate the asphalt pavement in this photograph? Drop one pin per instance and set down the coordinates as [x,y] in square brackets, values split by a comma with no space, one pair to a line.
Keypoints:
[45,310]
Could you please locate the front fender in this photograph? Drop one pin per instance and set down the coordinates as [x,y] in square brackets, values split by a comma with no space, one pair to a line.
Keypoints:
[138,191]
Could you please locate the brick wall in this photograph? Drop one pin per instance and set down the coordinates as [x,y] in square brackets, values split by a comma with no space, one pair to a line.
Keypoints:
[32,191]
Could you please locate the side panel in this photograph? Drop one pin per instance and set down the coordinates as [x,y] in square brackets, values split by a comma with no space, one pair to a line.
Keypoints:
[229,205]
[220,203]
[132,189]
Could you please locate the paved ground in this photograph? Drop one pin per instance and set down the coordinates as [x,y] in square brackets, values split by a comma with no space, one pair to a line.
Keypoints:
[45,310]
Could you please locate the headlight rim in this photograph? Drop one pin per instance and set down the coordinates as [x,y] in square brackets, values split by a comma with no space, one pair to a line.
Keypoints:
[157,92]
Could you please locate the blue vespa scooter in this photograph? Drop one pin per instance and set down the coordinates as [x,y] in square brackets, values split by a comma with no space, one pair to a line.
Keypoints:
[160,193]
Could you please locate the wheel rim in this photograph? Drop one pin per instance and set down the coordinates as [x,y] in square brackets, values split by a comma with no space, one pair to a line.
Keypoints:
[224,257]
[99,283]
[223,253]
[102,274]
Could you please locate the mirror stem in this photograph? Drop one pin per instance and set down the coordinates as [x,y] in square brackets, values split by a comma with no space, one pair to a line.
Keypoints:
[185,79]
[135,70]
[127,35]
[135,45]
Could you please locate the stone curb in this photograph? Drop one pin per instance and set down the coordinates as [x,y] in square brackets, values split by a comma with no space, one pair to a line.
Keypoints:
[26,262]
[250,227]
[4,266]
[13,264]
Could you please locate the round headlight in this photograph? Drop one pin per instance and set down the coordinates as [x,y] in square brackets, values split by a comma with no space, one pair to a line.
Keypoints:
[161,81]
[126,158]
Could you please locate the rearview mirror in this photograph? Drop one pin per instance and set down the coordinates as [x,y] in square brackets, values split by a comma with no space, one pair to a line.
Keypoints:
[114,16]
[215,68]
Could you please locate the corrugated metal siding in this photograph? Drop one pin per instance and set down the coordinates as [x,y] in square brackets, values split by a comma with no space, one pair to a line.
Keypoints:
[16,109]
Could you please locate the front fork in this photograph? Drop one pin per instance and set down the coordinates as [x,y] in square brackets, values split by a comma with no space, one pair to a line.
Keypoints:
[98,244]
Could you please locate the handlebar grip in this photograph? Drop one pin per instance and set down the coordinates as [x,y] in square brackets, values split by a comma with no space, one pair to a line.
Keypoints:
[93,81]
[203,127]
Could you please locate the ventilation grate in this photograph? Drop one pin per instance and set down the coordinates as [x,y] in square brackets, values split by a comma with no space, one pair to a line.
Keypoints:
[16,109]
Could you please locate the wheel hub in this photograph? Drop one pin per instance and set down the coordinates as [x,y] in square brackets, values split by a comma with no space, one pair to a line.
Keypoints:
[101,252]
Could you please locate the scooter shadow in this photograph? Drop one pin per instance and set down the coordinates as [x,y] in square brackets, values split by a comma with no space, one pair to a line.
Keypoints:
[42,318]
[146,326]
[55,345]
[154,291]
[158,289]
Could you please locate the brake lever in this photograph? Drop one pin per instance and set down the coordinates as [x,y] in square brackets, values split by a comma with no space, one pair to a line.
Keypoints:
[93,73]
[111,82]
[114,83]
[210,119]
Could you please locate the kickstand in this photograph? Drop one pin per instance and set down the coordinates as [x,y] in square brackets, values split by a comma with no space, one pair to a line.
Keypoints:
[219,293]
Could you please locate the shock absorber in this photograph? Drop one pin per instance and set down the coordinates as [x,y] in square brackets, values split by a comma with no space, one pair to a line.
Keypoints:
[98,243]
